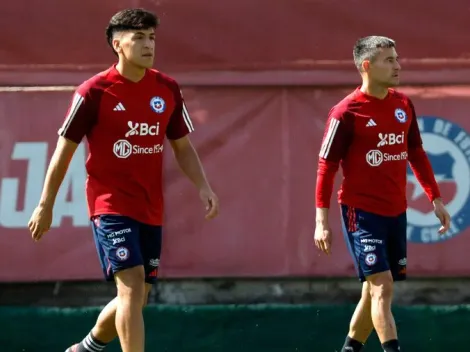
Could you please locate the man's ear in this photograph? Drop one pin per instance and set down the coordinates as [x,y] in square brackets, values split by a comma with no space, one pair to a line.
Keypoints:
[117,45]
[365,66]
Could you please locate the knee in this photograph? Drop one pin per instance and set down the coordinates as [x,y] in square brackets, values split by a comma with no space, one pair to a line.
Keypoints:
[381,287]
[365,294]
[131,286]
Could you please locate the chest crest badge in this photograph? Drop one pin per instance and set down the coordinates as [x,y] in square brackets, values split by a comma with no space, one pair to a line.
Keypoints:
[400,115]
[158,104]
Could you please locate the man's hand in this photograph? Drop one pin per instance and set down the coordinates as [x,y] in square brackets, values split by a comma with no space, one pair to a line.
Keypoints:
[40,221]
[211,202]
[442,215]
[323,237]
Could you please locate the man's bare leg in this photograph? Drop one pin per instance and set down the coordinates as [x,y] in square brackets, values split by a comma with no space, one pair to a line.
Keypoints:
[105,327]
[129,303]
[104,330]
[361,324]
[381,292]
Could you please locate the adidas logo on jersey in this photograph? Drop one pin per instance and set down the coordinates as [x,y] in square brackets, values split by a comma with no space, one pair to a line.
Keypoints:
[119,107]
[371,123]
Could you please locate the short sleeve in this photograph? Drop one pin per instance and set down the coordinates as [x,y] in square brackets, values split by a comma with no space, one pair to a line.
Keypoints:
[414,136]
[81,115]
[180,123]
[337,135]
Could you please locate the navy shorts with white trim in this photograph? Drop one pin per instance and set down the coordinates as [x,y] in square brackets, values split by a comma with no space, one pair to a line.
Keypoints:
[376,243]
[123,243]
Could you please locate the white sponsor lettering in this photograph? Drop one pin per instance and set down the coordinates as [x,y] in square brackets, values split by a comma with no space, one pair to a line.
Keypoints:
[154,262]
[396,157]
[156,149]
[123,149]
[118,240]
[142,129]
[371,240]
[369,248]
[391,139]
[70,201]
[376,157]
[119,233]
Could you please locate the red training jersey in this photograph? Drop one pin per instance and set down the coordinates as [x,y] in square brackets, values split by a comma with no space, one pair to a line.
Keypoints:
[125,124]
[373,140]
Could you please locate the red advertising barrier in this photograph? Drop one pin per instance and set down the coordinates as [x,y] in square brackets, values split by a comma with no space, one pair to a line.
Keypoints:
[259,147]
[204,41]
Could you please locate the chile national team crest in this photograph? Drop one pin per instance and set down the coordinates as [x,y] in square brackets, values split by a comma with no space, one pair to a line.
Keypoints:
[400,115]
[447,146]
[157,104]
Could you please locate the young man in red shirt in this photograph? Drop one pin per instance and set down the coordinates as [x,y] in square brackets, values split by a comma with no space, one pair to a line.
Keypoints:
[373,133]
[125,113]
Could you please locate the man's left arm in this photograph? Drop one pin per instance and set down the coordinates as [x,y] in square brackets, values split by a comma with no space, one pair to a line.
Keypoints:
[422,169]
[179,127]
[419,163]
[189,162]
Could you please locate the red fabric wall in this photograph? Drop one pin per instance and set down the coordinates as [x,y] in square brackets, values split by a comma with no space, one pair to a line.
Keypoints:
[204,41]
[259,148]
[259,78]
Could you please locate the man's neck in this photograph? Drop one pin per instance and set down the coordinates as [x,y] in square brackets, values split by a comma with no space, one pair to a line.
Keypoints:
[379,92]
[131,72]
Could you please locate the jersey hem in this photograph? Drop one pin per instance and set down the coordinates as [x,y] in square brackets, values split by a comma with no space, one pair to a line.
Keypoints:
[370,209]
[131,216]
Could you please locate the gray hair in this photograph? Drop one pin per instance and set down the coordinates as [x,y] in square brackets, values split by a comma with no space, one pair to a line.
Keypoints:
[367,48]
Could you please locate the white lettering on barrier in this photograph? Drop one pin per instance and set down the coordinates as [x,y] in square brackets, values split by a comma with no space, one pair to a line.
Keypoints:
[70,201]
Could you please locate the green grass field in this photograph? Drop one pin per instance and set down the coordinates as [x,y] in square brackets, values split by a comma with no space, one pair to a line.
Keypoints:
[233,328]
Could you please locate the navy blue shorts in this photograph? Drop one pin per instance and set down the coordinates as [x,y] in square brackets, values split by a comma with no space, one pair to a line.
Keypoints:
[123,243]
[376,243]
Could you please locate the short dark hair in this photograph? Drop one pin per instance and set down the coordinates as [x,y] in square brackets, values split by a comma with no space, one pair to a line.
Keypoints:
[367,48]
[130,19]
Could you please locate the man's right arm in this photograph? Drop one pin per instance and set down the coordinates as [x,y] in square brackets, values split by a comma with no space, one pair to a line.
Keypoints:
[56,171]
[80,118]
[336,140]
